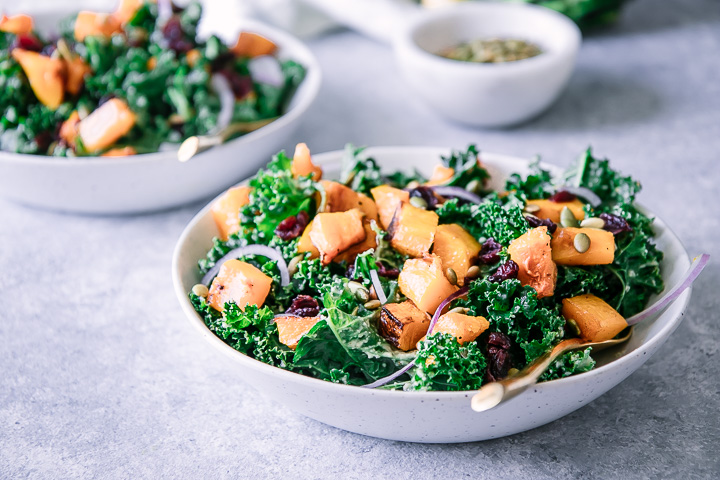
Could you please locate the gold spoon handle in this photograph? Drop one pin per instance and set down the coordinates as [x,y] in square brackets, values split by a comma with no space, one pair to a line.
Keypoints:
[194,145]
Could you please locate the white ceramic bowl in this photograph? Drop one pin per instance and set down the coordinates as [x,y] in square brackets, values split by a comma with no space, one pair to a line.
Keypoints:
[433,416]
[154,181]
[488,95]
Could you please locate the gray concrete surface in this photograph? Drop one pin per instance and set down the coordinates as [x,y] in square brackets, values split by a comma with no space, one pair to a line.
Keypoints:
[102,377]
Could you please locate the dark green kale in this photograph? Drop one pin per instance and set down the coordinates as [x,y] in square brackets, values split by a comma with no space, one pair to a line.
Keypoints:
[570,363]
[360,171]
[442,363]
[537,184]
[467,168]
[489,219]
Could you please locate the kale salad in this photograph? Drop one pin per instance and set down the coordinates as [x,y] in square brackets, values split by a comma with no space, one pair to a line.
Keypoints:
[130,81]
[455,285]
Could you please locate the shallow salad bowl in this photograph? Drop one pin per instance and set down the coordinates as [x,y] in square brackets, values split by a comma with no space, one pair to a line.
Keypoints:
[153,181]
[433,416]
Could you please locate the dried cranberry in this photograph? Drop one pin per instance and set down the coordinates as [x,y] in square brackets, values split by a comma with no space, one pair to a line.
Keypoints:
[43,141]
[292,227]
[48,50]
[173,29]
[28,42]
[506,271]
[490,252]
[615,223]
[304,306]
[181,45]
[535,222]
[241,85]
[427,194]
[387,272]
[499,357]
[562,196]
[221,61]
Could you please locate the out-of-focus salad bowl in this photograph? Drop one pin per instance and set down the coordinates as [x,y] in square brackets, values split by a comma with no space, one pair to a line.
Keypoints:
[433,416]
[154,181]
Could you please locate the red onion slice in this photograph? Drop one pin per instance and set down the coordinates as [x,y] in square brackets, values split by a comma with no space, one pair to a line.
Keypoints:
[378,286]
[221,86]
[583,192]
[266,69]
[688,278]
[458,192]
[262,250]
[436,316]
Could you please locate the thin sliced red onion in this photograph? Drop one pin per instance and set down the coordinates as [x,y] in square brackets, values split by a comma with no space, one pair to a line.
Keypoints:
[378,286]
[688,278]
[436,316]
[221,86]
[458,192]
[583,192]
[262,250]
[266,69]
[164,10]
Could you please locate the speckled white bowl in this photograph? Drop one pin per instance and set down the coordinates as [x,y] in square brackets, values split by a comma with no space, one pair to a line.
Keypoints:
[433,417]
[154,181]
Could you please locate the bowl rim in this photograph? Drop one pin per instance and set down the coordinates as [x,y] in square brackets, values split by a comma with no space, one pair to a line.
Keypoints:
[332,157]
[304,96]
[405,42]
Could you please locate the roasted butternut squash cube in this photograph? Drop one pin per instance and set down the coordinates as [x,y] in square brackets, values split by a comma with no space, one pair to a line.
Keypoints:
[457,249]
[252,45]
[95,24]
[333,233]
[403,324]
[126,10]
[441,175]
[120,152]
[193,56]
[46,76]
[106,124]
[239,282]
[226,210]
[339,198]
[292,328]
[17,24]
[305,243]
[76,70]
[534,257]
[412,230]
[369,242]
[302,164]
[601,251]
[598,321]
[69,128]
[423,281]
[388,199]
[551,210]
[465,328]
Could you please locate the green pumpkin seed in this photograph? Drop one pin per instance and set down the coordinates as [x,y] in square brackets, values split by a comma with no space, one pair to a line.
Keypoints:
[593,222]
[373,305]
[461,310]
[532,208]
[573,326]
[474,186]
[292,266]
[512,372]
[581,242]
[359,290]
[200,290]
[567,219]
[418,202]
[451,276]
[473,272]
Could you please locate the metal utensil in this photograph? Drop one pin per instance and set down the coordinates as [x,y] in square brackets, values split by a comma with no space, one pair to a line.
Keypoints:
[492,394]
[196,144]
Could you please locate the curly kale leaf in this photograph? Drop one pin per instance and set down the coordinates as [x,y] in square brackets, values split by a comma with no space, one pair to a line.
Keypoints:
[359,171]
[444,364]
[504,223]
[467,167]
[537,184]
[597,175]
[515,311]
[570,363]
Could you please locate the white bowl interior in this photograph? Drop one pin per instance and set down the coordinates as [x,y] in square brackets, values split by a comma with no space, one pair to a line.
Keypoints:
[451,420]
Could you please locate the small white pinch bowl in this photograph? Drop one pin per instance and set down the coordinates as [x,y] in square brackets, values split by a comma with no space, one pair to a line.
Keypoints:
[433,417]
[487,94]
[154,181]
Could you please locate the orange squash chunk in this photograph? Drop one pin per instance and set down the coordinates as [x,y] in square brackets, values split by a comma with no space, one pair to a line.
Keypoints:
[126,10]
[403,324]
[226,210]
[534,256]
[465,328]
[457,249]
[369,242]
[193,56]
[339,198]
[100,24]
[601,251]
[597,320]
[252,45]
[239,282]
[106,124]
[305,244]
[17,24]
[120,152]
[388,199]
[412,230]
[69,128]
[333,233]
[441,175]
[46,76]
[551,210]
[292,328]
[302,164]
[76,71]
[422,280]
